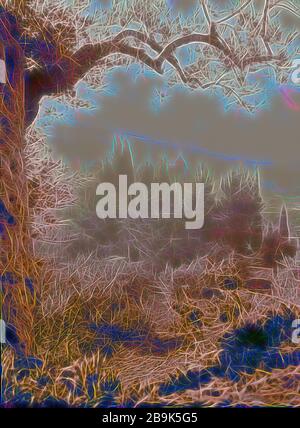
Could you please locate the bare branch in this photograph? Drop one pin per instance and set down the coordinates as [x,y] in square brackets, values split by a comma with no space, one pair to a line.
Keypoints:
[235,13]
[264,26]
[71,67]
[258,59]
[153,45]
[205,10]
[207,39]
[265,18]
[286,7]
[214,42]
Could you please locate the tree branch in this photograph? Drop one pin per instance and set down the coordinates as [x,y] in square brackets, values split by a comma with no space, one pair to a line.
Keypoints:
[67,71]
[258,59]
[217,43]
[286,7]
[64,74]
[265,18]
[235,13]
[153,45]
[205,11]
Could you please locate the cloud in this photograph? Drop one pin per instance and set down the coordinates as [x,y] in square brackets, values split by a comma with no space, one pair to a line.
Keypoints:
[182,5]
[192,123]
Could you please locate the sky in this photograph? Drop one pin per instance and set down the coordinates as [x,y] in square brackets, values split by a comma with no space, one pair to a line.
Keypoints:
[194,124]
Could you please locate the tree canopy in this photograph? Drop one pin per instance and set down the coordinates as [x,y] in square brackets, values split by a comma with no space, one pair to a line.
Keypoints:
[62,42]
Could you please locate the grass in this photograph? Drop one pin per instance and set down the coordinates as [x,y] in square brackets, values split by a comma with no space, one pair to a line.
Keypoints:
[112,331]
[140,313]
[147,313]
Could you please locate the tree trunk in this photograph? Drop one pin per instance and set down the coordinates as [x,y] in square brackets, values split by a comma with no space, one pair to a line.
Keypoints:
[17,271]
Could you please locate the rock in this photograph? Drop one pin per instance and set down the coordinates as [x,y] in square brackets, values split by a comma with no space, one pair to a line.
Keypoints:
[28,363]
[230,284]
[224,317]
[207,293]
[194,318]
[258,285]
